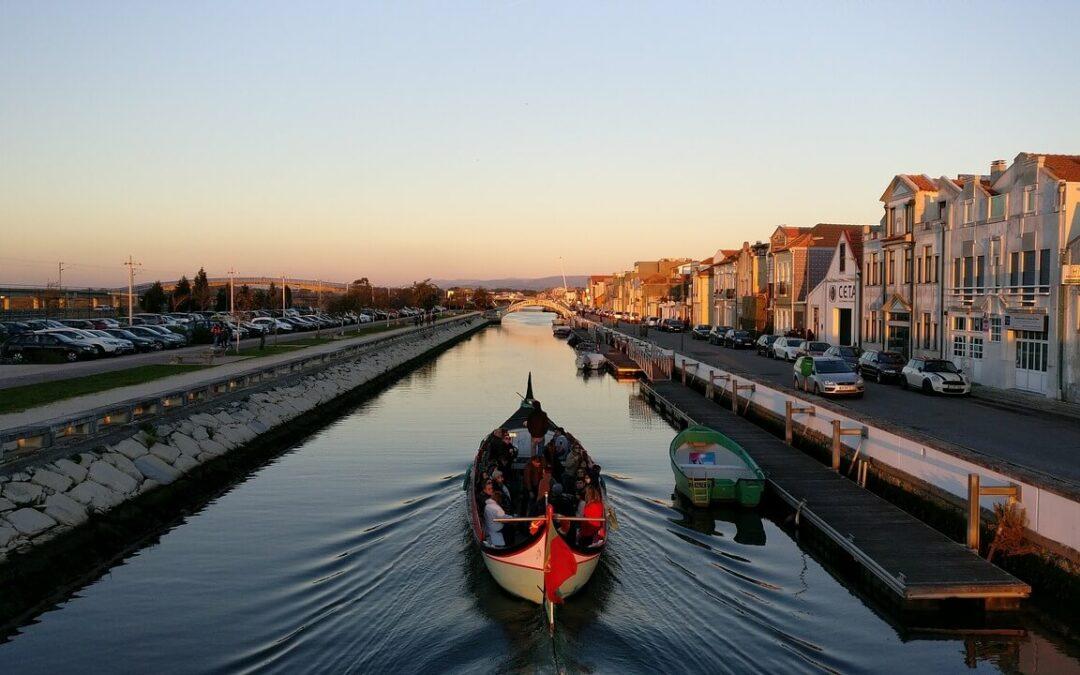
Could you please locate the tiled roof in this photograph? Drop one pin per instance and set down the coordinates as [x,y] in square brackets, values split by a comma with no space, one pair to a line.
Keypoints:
[922,182]
[1065,167]
[855,244]
[828,234]
[656,279]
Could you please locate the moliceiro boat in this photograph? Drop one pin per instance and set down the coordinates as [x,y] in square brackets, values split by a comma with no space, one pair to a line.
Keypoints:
[546,550]
[710,467]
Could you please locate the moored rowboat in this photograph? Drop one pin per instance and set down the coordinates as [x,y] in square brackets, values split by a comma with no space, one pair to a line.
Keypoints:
[710,467]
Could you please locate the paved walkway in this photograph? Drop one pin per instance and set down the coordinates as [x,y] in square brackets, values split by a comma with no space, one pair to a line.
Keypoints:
[75,406]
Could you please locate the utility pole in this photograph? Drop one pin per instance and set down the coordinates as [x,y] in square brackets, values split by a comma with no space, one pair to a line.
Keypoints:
[131,265]
[60,285]
[232,307]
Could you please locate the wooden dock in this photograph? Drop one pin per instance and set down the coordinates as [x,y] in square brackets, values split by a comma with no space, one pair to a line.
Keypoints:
[913,560]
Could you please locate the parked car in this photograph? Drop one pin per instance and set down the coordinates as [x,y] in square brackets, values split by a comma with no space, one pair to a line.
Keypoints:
[164,338]
[673,326]
[43,324]
[126,346]
[105,323]
[78,323]
[44,346]
[787,348]
[826,376]
[764,345]
[935,376]
[716,335]
[104,346]
[141,343]
[881,365]
[273,324]
[737,339]
[151,319]
[652,321]
[12,328]
[814,348]
[849,354]
[701,331]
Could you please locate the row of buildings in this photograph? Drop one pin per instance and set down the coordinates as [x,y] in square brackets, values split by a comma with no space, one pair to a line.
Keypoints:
[982,269]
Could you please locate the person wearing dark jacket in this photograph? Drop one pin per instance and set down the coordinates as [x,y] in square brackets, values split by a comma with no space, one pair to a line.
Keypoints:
[537,424]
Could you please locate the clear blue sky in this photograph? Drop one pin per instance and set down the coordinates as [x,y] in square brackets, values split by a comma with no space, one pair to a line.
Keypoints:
[406,139]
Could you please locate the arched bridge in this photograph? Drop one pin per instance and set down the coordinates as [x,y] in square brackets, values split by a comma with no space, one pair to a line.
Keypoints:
[552,305]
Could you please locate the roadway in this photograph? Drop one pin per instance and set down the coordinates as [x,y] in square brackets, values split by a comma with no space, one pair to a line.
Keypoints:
[1039,441]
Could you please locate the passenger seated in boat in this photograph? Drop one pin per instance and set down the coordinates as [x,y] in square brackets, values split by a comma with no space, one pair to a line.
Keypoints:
[492,510]
[499,448]
[562,445]
[552,460]
[592,506]
[542,490]
[534,471]
[499,485]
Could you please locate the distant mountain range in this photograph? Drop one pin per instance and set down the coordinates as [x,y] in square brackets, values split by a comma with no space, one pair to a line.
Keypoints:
[517,284]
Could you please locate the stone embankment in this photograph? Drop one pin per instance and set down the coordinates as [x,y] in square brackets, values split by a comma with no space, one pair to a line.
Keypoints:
[40,503]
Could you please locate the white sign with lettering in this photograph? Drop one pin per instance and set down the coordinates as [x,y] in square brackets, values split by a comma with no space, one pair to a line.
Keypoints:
[1024,322]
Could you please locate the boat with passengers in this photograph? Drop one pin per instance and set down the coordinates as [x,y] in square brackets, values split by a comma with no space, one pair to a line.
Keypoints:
[545,551]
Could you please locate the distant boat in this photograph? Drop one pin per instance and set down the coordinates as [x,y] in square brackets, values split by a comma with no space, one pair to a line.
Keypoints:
[587,360]
[525,565]
[562,331]
[709,467]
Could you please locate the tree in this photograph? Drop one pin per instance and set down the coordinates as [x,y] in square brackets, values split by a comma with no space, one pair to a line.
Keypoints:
[200,291]
[181,295]
[221,300]
[424,294]
[481,298]
[260,299]
[365,292]
[153,300]
[288,297]
[273,297]
[243,298]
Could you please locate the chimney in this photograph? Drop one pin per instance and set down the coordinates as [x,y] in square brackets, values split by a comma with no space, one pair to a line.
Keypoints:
[997,167]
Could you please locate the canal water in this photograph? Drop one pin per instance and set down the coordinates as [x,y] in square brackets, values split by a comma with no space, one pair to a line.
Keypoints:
[350,553]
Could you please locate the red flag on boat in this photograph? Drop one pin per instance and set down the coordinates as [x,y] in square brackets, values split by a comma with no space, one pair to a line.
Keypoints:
[559,564]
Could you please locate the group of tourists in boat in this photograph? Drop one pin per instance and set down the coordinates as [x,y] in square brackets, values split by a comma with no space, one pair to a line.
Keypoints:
[536,501]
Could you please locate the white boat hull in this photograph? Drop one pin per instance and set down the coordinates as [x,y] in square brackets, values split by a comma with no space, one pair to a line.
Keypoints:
[522,573]
[590,361]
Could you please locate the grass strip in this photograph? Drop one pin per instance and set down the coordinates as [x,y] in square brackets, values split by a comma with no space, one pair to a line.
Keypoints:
[15,399]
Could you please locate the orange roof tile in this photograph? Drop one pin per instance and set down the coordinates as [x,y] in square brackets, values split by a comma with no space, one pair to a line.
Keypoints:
[1065,167]
[921,182]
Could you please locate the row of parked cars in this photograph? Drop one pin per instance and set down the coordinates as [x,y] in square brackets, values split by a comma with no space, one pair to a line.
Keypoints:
[80,339]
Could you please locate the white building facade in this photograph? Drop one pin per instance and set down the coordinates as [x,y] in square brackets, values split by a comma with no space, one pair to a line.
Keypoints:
[834,306]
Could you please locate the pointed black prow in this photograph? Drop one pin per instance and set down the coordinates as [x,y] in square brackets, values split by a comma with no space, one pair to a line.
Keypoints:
[528,389]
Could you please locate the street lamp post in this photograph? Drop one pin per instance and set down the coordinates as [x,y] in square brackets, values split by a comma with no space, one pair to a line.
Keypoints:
[232,307]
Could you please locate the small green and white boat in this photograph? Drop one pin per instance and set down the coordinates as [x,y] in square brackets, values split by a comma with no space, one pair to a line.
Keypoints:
[710,467]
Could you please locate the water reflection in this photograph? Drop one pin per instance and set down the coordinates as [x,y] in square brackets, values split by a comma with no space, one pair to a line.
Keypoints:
[351,553]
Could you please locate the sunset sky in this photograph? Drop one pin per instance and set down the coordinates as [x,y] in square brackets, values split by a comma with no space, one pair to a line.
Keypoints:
[403,140]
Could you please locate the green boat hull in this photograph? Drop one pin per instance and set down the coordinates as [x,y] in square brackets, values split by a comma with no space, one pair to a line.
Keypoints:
[745,489]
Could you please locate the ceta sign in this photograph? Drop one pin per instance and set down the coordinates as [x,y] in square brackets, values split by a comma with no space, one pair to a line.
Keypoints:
[842,293]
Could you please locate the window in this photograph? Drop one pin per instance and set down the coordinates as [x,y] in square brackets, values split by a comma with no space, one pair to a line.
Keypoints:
[967,211]
[909,217]
[843,256]
[926,330]
[980,272]
[1028,271]
[997,207]
[977,325]
[935,340]
[890,221]
[958,345]
[956,275]
[941,206]
[995,329]
[959,323]
[1014,269]
[908,258]
[928,261]
[890,270]
[975,348]
[1029,199]
[1044,270]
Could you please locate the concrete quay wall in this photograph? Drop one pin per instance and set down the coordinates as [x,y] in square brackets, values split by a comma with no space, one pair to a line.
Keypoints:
[55,495]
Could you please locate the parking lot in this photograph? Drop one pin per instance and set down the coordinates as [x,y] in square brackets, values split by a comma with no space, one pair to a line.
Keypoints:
[1039,441]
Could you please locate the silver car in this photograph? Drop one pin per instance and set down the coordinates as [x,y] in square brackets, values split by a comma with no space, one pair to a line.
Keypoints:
[827,376]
